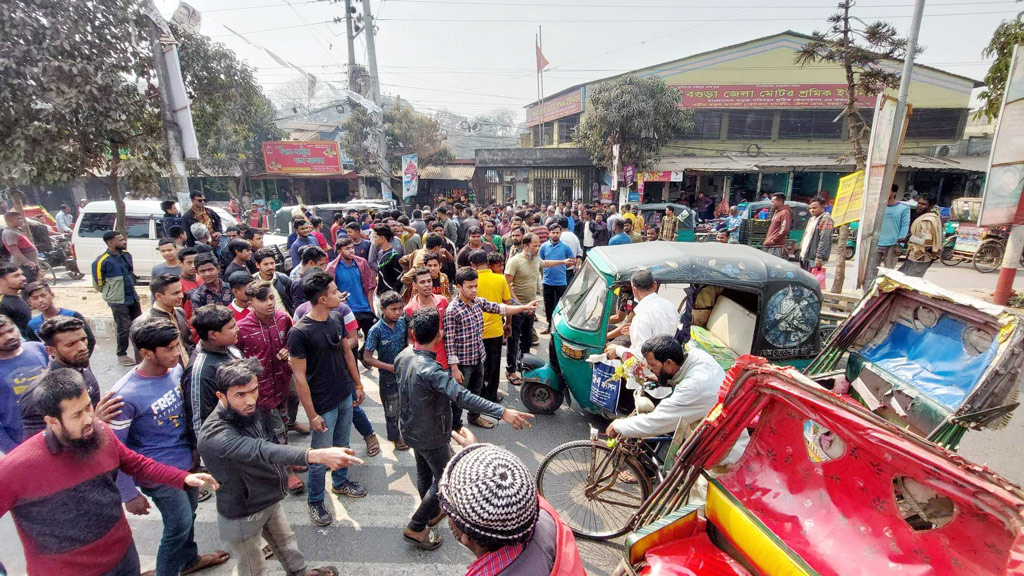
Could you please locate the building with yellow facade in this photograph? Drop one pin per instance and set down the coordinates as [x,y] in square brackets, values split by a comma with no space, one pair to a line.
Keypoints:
[763,124]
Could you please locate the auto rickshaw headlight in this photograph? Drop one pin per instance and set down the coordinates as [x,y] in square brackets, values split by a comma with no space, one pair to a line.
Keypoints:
[573,353]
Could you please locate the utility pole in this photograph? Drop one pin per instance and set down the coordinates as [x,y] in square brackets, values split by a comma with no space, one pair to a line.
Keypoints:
[351,46]
[178,179]
[371,54]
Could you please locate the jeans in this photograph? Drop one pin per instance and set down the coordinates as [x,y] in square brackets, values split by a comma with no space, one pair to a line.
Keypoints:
[552,294]
[392,410]
[472,380]
[429,467]
[519,341]
[339,426]
[178,549]
[492,368]
[361,421]
[280,537]
[123,316]
[366,321]
[129,564]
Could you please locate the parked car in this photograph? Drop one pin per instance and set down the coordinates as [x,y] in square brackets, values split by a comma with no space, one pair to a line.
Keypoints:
[144,221]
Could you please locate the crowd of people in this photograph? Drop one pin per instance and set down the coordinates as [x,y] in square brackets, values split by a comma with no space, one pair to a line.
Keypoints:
[232,348]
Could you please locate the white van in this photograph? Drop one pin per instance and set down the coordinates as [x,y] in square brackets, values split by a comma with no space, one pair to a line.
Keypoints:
[144,223]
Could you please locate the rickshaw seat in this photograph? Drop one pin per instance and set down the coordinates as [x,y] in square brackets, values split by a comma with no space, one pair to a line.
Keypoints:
[752,539]
[733,324]
[532,361]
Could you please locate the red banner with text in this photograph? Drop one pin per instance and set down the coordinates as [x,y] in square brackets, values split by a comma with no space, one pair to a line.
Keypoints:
[767,96]
[297,158]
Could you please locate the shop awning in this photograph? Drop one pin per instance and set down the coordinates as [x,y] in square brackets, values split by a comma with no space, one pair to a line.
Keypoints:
[461,172]
[966,163]
[345,175]
[822,163]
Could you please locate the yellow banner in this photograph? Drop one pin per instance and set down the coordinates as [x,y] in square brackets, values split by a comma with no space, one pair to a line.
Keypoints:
[849,199]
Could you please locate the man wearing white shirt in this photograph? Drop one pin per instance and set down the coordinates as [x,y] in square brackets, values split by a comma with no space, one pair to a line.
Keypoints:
[653,315]
[65,221]
[570,239]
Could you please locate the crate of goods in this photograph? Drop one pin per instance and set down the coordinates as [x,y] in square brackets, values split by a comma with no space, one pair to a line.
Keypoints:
[752,232]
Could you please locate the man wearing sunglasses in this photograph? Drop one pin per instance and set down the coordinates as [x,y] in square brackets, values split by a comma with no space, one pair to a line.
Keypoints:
[199,213]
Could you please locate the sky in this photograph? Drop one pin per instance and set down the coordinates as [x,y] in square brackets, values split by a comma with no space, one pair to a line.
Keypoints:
[473,56]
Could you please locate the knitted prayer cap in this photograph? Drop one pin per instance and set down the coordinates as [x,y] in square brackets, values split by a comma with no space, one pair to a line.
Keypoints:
[490,496]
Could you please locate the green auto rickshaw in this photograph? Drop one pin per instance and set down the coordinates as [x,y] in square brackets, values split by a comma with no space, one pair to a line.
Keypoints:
[753,230]
[744,301]
[653,213]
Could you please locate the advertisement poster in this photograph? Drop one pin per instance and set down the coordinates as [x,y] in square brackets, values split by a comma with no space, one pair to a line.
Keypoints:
[299,158]
[615,167]
[849,199]
[606,194]
[1005,180]
[629,173]
[766,96]
[968,238]
[410,175]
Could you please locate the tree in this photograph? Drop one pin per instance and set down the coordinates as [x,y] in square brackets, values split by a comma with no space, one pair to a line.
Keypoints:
[641,115]
[69,91]
[231,115]
[406,131]
[293,99]
[1008,34]
[860,50]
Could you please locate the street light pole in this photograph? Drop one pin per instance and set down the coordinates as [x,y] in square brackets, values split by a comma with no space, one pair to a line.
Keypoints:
[351,46]
[178,179]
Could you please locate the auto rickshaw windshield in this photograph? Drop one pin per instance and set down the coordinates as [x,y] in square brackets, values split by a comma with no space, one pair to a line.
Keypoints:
[583,303]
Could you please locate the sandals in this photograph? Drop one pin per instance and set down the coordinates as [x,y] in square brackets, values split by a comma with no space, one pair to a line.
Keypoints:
[372,445]
[401,446]
[514,378]
[485,424]
[204,494]
[295,484]
[322,571]
[432,542]
[207,561]
[437,519]
[126,360]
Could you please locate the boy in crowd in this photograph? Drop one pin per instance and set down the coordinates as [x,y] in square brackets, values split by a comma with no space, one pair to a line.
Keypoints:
[310,257]
[21,364]
[241,258]
[40,297]
[428,394]
[213,290]
[464,338]
[218,335]
[263,335]
[387,338]
[425,297]
[327,381]
[152,423]
[190,281]
[167,298]
[169,252]
[239,306]
[267,272]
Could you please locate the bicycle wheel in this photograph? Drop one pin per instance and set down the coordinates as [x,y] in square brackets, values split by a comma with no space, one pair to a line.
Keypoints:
[582,482]
[45,271]
[989,256]
[948,255]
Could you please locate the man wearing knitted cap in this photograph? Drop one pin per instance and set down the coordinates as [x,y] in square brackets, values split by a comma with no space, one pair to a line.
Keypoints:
[494,510]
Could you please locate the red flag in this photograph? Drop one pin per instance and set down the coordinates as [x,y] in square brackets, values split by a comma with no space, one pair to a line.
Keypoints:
[542,62]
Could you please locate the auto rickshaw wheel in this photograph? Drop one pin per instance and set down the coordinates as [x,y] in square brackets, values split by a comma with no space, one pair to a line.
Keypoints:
[849,252]
[539,398]
[948,255]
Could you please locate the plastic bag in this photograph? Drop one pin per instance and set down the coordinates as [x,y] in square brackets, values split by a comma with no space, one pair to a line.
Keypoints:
[604,388]
[819,273]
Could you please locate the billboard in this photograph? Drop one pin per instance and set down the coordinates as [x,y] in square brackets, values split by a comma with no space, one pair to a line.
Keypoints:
[849,199]
[298,158]
[555,108]
[1006,166]
[410,175]
[766,96]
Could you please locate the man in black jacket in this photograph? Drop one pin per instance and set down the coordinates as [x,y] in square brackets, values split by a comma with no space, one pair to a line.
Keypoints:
[200,214]
[427,393]
[235,442]
[218,336]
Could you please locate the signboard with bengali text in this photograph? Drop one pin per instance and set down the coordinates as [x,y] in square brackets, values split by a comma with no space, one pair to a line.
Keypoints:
[555,108]
[766,96]
[298,158]
[1005,182]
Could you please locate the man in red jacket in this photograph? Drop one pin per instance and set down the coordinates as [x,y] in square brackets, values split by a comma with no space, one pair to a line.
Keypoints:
[60,488]
[778,229]
[494,510]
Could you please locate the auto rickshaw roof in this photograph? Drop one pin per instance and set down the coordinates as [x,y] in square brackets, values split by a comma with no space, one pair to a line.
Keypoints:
[699,263]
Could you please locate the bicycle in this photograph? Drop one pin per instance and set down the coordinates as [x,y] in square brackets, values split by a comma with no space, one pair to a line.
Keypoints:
[597,485]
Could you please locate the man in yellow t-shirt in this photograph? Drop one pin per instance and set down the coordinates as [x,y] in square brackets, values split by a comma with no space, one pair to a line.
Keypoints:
[494,288]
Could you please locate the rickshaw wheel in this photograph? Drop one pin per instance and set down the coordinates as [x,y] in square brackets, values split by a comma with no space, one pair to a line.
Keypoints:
[948,256]
[849,252]
[540,398]
[989,256]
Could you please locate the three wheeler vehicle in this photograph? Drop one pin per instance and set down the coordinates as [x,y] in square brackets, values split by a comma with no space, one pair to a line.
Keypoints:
[929,360]
[754,303]
[653,213]
[753,231]
[823,487]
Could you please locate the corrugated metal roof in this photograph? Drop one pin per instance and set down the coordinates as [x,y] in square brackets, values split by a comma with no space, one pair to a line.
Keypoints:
[462,172]
[825,163]
[706,164]
[922,162]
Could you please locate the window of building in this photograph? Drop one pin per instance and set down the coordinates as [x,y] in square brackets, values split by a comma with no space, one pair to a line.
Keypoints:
[567,127]
[750,124]
[707,125]
[810,124]
[548,134]
[936,123]
[537,132]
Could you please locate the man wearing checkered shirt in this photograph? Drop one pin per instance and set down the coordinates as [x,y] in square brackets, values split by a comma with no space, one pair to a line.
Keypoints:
[464,338]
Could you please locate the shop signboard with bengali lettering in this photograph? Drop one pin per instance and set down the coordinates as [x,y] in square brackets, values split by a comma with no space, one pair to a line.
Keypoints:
[766,96]
[298,158]
[555,108]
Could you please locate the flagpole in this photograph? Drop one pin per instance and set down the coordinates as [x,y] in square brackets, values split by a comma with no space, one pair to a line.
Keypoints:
[540,42]
[536,44]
